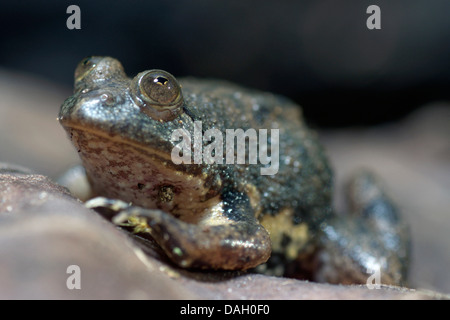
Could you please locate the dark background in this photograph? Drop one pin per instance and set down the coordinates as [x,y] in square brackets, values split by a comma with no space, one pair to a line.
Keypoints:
[319,53]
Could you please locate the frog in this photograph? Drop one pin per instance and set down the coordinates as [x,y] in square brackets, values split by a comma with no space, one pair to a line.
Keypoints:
[218,215]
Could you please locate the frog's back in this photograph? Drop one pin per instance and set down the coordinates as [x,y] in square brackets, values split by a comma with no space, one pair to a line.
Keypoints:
[296,199]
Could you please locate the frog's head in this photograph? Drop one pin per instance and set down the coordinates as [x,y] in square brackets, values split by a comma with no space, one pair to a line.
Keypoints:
[156,92]
[142,111]
[123,129]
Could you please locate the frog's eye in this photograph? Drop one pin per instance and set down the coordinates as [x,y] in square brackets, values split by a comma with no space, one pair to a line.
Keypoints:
[158,94]
[160,88]
[85,66]
[95,71]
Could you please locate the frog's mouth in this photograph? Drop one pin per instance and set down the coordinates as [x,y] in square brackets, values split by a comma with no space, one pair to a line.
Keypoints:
[122,169]
[71,128]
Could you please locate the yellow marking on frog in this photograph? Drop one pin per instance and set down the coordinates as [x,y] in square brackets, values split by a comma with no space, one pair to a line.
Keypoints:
[214,216]
[254,197]
[282,224]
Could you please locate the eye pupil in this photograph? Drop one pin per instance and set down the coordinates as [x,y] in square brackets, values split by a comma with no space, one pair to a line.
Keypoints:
[161,81]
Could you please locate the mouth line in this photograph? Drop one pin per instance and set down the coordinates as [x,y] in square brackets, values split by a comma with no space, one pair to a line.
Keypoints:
[67,124]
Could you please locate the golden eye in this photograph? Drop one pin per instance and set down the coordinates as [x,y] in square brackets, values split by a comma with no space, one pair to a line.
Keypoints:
[160,88]
[158,94]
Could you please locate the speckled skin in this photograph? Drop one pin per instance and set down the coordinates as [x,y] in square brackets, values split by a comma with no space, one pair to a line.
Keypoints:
[221,216]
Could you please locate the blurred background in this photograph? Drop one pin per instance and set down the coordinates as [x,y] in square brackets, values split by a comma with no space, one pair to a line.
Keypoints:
[319,53]
[379,98]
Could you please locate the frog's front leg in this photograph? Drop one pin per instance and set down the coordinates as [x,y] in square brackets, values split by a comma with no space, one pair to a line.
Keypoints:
[236,242]
[372,240]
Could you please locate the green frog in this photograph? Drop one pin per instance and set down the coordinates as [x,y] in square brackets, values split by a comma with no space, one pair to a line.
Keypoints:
[138,139]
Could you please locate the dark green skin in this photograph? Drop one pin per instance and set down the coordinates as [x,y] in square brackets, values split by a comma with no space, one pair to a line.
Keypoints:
[116,131]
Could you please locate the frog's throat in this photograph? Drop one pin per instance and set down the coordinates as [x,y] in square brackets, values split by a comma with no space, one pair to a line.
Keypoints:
[120,170]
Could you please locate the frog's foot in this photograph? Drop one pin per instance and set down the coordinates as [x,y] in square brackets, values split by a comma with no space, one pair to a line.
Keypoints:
[233,245]
[369,246]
